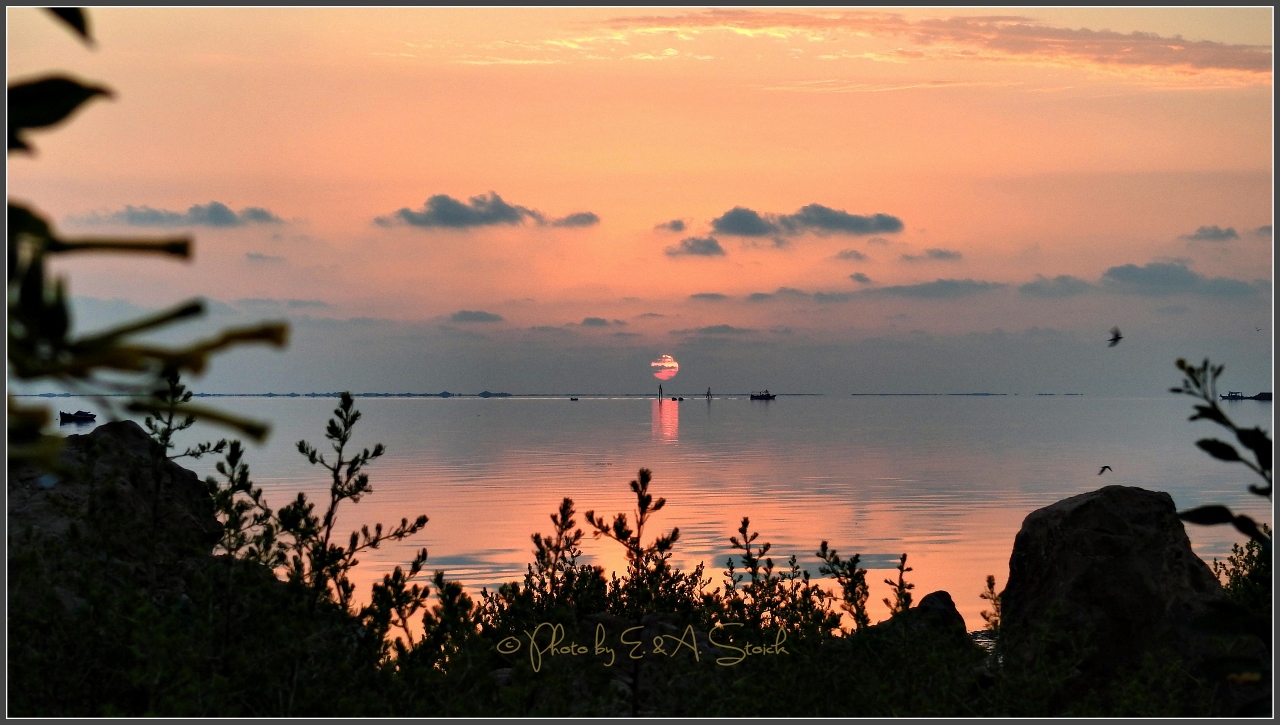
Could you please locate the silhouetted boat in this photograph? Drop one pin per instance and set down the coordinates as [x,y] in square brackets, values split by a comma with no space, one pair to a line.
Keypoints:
[80,416]
[1237,395]
[764,395]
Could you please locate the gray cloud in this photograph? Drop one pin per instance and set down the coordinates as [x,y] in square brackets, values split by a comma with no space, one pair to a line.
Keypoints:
[650,314]
[445,211]
[697,247]
[264,303]
[852,254]
[831,297]
[1212,234]
[943,255]
[442,210]
[213,214]
[675,225]
[474,316]
[581,219]
[1064,285]
[1159,279]
[860,278]
[708,296]
[941,289]
[599,322]
[714,330]
[1263,231]
[263,258]
[744,222]
[781,292]
[877,240]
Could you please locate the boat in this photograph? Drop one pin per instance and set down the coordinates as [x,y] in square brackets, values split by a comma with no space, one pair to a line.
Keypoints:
[1237,395]
[763,395]
[80,416]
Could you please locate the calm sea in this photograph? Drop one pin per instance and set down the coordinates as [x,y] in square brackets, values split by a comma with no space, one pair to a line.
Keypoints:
[945,479]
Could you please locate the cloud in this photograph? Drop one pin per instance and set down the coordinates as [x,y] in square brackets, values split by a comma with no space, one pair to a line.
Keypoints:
[877,240]
[474,316]
[941,289]
[581,219]
[1263,231]
[445,211]
[789,292]
[944,255]
[263,258]
[442,210]
[708,296]
[830,297]
[715,330]
[851,254]
[263,303]
[1213,233]
[646,315]
[860,278]
[826,219]
[594,322]
[1160,279]
[1064,285]
[697,247]
[743,222]
[213,214]
[675,225]
[984,39]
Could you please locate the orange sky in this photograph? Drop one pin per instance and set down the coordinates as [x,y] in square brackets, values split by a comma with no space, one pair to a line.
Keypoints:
[1034,145]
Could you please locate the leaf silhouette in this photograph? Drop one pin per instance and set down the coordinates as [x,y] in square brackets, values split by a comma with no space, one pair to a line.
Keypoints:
[1208,515]
[1218,449]
[45,102]
[76,18]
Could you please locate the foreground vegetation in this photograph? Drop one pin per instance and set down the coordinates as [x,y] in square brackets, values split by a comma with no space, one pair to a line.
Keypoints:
[269,624]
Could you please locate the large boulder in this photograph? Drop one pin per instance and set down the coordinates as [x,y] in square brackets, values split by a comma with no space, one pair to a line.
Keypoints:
[138,505]
[1107,578]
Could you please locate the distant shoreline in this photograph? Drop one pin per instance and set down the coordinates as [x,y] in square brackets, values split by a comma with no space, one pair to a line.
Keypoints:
[485,394]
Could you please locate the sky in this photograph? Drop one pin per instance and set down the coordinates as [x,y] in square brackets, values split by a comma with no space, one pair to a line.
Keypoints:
[545,200]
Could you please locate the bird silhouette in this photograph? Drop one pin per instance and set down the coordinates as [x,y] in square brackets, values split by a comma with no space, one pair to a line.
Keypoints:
[1104,468]
[1116,337]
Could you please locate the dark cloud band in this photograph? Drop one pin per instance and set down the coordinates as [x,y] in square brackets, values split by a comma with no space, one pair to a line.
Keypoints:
[213,214]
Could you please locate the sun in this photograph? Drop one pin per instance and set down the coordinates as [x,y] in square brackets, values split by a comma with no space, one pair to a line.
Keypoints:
[665,367]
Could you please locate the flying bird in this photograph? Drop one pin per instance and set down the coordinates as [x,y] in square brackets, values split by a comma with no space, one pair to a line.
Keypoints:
[1104,468]
[1116,337]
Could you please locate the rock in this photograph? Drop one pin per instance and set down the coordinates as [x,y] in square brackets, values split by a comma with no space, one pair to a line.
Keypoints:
[108,484]
[936,614]
[1110,571]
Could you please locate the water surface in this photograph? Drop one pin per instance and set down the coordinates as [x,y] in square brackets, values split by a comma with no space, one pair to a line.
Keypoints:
[946,479]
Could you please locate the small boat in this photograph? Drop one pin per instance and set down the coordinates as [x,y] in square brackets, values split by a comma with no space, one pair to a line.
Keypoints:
[572,398]
[1233,395]
[80,416]
[763,395]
